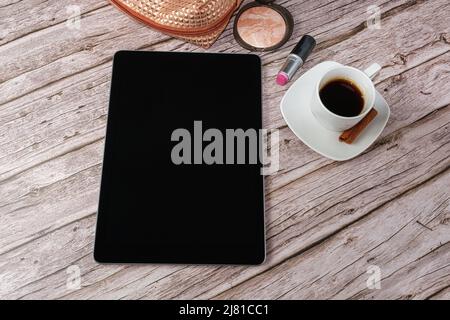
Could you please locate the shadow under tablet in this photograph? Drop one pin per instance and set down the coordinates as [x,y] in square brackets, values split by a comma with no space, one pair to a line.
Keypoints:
[153,209]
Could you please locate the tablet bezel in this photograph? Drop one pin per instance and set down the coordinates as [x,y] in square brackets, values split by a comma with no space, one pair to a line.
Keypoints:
[105,254]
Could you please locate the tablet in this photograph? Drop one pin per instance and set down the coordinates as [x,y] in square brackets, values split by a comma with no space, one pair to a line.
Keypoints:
[180,183]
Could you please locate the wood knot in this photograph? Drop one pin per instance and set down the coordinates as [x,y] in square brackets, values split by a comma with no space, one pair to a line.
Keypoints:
[397,78]
[34,192]
[392,147]
[391,139]
[70,135]
[400,59]
[349,211]
[88,47]
[55,97]
[349,240]
[444,37]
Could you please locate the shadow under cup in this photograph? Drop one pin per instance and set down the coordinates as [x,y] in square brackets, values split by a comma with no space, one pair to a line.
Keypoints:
[359,79]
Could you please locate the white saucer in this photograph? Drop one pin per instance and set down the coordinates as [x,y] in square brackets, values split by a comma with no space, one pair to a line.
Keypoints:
[295,107]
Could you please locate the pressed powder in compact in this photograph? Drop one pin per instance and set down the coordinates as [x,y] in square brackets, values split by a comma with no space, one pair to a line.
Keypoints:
[263,26]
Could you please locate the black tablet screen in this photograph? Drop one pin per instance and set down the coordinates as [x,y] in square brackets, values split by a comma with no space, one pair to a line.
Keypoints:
[165,196]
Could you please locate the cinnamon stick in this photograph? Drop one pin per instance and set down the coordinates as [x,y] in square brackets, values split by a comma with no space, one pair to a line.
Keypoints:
[350,135]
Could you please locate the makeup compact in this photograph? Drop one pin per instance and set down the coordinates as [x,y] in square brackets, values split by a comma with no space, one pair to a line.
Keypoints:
[263,25]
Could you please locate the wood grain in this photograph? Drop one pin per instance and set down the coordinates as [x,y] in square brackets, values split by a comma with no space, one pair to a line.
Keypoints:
[391,237]
[326,221]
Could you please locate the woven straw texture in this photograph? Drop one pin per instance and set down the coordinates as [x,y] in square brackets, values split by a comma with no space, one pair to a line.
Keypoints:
[197,21]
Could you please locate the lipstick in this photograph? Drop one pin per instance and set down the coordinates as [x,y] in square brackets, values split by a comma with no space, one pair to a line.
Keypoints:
[296,59]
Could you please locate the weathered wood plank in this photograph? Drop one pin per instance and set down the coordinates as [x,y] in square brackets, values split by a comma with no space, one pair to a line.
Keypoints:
[414,261]
[423,146]
[66,127]
[444,294]
[314,212]
[20,19]
[62,52]
[56,95]
[60,97]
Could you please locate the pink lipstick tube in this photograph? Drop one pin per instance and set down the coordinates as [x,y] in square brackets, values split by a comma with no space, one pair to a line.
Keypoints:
[296,59]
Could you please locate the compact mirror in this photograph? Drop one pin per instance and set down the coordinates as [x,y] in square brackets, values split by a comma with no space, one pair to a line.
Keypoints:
[263,25]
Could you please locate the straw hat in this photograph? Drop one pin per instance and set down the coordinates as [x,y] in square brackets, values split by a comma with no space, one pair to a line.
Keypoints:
[197,21]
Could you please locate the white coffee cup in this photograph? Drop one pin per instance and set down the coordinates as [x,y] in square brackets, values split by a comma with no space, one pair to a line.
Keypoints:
[361,79]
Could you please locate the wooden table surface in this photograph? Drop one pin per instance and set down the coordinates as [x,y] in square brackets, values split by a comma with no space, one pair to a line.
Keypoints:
[331,226]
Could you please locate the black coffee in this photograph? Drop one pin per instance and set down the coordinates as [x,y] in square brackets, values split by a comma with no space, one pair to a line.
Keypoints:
[342,97]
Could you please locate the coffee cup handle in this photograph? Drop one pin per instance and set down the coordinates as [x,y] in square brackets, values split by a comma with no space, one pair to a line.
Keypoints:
[372,71]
